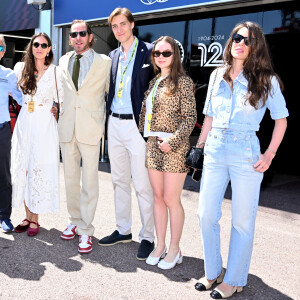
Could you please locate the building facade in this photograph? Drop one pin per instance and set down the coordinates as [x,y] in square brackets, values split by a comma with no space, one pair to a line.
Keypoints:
[201,28]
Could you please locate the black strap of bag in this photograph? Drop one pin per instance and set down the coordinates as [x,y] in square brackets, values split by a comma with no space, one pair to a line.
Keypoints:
[58,108]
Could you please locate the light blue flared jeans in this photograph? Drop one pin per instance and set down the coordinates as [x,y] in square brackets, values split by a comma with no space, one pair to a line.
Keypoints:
[229,155]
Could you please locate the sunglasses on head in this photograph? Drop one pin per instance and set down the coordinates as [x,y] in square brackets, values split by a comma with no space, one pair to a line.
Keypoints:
[74,34]
[237,38]
[1,48]
[43,45]
[164,53]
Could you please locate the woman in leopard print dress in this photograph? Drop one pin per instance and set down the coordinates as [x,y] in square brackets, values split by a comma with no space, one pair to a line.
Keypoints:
[167,118]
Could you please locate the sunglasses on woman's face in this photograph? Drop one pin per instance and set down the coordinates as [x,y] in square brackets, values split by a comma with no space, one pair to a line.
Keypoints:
[43,45]
[74,34]
[237,38]
[1,48]
[164,53]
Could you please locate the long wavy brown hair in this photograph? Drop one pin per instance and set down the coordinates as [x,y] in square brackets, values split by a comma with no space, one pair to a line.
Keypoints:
[27,82]
[258,68]
[176,68]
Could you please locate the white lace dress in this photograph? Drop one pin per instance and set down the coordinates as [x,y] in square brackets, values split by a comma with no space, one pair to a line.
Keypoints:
[35,147]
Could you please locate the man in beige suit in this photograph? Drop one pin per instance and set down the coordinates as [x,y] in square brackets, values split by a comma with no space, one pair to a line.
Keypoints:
[81,125]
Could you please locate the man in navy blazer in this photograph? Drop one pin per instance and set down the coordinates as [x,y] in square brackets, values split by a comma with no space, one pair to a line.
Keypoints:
[141,75]
[131,72]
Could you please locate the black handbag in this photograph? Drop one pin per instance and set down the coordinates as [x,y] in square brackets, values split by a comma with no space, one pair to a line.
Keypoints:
[194,158]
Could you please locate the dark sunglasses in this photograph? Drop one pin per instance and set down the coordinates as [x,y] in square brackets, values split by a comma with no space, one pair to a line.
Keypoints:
[164,53]
[1,48]
[237,38]
[43,45]
[74,34]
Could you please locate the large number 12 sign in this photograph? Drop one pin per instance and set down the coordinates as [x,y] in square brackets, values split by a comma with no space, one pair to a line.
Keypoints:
[216,50]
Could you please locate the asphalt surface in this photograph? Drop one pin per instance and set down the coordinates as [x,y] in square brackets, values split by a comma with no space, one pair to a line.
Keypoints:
[46,267]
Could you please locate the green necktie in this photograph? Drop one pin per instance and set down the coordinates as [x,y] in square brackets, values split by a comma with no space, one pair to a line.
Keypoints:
[76,68]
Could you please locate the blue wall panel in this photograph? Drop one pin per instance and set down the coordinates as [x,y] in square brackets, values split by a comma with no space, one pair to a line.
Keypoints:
[65,11]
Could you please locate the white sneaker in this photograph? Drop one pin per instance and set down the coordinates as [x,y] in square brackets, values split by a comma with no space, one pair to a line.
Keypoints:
[85,244]
[69,232]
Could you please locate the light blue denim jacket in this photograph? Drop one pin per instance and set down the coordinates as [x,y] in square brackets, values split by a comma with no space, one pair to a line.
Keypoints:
[229,109]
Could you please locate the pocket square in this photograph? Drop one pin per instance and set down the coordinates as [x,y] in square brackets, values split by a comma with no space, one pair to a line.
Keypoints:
[145,65]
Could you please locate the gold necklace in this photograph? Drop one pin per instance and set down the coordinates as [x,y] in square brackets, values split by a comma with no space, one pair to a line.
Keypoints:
[39,74]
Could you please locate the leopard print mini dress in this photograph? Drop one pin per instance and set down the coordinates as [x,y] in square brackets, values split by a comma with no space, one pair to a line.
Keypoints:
[174,114]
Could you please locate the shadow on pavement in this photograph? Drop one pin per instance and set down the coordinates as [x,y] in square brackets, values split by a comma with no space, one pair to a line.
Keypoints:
[122,258]
[24,256]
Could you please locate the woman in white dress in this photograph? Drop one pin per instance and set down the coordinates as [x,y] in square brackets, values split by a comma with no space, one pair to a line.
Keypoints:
[35,145]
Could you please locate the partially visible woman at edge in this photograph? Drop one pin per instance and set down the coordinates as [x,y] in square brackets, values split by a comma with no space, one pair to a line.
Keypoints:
[167,118]
[240,91]
[35,148]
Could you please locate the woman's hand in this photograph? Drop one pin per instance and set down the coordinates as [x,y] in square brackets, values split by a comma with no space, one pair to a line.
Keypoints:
[163,145]
[265,159]
[264,162]
[54,111]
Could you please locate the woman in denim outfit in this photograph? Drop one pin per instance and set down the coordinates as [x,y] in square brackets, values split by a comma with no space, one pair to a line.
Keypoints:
[238,94]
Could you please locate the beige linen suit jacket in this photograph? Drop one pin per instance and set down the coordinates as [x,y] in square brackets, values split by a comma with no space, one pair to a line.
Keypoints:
[83,111]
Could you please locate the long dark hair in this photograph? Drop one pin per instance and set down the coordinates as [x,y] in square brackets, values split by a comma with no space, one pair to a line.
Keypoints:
[258,68]
[27,83]
[176,68]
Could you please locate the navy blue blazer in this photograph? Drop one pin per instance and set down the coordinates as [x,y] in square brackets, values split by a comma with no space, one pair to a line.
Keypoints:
[142,73]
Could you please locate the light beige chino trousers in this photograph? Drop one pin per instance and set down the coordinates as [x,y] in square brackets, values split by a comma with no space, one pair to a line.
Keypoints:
[81,198]
[127,154]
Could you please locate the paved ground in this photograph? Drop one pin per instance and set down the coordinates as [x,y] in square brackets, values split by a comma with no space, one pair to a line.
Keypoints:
[46,267]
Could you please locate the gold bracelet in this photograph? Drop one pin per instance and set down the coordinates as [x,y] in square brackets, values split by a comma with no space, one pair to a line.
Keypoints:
[200,143]
[271,151]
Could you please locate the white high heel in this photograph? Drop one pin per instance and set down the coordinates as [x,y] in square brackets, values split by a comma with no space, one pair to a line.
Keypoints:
[167,266]
[154,260]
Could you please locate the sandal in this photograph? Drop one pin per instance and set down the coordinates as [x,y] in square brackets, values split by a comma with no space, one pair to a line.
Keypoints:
[22,228]
[204,284]
[218,294]
[33,231]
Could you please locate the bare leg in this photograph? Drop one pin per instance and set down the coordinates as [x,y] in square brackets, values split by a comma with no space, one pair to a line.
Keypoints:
[173,185]
[31,217]
[28,216]
[28,213]
[35,218]
[160,210]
